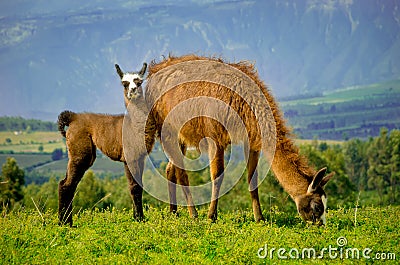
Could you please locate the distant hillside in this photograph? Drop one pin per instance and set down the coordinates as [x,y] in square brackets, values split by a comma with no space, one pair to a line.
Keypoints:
[347,113]
[353,112]
[60,54]
[19,124]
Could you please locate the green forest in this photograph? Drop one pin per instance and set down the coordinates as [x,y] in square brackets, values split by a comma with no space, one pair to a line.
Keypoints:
[20,124]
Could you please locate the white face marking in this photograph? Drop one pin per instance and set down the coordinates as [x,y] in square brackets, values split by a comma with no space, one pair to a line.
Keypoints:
[309,190]
[325,203]
[128,77]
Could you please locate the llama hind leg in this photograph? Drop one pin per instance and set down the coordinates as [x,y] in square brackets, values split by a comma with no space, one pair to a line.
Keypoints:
[253,183]
[177,175]
[217,175]
[183,180]
[171,176]
[82,154]
[136,187]
[66,191]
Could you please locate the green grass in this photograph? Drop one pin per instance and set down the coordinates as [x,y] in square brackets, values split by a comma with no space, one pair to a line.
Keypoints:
[102,164]
[380,90]
[41,137]
[23,142]
[111,237]
[26,160]
[299,142]
[32,148]
[350,112]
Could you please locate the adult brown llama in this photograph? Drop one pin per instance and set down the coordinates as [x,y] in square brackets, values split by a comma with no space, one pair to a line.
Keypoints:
[303,183]
[88,131]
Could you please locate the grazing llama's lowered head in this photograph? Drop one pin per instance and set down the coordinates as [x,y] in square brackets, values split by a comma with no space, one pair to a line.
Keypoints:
[132,83]
[312,205]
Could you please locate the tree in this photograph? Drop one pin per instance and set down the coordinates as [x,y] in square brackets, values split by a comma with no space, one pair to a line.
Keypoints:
[118,188]
[394,144]
[40,148]
[11,183]
[90,193]
[379,172]
[57,154]
[356,162]
[28,129]
[44,196]
[340,190]
[32,191]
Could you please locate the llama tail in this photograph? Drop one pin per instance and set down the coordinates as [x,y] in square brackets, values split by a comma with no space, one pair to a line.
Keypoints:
[64,119]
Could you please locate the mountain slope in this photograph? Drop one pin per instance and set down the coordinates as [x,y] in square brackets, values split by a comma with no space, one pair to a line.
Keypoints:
[61,55]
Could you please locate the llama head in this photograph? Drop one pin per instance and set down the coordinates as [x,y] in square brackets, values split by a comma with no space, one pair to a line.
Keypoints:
[312,205]
[132,82]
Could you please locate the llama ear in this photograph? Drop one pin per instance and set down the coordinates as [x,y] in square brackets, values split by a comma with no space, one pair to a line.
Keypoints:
[119,71]
[317,180]
[143,70]
[326,179]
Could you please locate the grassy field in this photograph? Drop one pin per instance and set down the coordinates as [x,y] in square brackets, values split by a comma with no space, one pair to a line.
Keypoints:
[101,164]
[382,90]
[26,160]
[350,112]
[22,142]
[111,237]
[25,149]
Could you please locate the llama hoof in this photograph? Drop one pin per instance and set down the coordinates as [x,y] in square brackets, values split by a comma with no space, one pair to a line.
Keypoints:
[176,213]
[60,223]
[195,216]
[259,219]
[213,218]
[139,219]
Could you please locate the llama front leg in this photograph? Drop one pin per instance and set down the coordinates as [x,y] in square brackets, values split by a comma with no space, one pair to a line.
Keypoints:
[136,187]
[217,175]
[252,179]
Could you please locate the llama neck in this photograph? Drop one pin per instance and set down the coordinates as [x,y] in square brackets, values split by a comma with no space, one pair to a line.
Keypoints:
[139,102]
[291,169]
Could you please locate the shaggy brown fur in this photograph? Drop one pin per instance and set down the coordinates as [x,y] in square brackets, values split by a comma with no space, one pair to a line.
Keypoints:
[301,181]
[88,131]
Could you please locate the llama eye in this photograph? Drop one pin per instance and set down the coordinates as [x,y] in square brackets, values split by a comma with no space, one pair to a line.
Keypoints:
[318,209]
[138,81]
[125,83]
